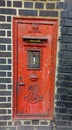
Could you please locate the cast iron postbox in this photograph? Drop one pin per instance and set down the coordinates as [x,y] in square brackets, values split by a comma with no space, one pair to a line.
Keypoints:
[34,57]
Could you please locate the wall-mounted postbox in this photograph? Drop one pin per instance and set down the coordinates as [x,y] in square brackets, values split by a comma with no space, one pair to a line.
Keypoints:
[34,52]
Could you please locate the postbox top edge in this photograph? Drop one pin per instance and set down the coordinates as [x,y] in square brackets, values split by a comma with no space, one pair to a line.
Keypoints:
[28,37]
[34,18]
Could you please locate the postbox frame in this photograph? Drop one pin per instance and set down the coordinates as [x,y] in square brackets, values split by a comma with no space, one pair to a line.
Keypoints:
[54,23]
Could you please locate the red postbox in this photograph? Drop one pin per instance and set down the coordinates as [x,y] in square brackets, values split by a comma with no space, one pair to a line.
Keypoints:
[34,59]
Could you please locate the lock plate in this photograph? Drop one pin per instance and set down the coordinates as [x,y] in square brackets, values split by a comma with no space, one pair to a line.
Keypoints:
[34,59]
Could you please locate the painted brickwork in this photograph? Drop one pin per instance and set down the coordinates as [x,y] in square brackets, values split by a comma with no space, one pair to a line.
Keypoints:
[63,96]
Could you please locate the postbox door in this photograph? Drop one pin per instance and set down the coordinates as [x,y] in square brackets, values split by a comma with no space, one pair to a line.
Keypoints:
[35,69]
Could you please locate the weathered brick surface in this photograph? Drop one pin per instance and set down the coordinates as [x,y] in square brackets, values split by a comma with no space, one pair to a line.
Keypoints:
[9,98]
[39,5]
[5,117]
[35,122]
[5,54]
[2,33]
[17,4]
[27,122]
[69,5]
[48,13]
[5,80]
[8,11]
[2,18]
[10,123]
[50,6]
[2,93]
[64,77]
[2,61]
[2,111]
[64,69]
[3,124]
[8,18]
[64,83]
[9,3]
[5,67]
[28,12]
[65,54]
[3,74]
[5,26]
[2,3]
[61,5]
[25,128]
[8,33]
[43,128]
[44,123]
[66,47]
[9,61]
[28,4]
[8,128]
[2,86]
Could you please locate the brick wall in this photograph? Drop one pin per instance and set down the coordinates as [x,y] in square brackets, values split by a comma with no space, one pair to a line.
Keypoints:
[63,98]
[64,76]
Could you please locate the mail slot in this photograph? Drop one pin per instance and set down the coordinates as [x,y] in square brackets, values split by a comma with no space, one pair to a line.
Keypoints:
[34,61]
[35,39]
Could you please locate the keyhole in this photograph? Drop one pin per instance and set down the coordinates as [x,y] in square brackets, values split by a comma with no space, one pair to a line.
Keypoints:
[20,77]
[34,59]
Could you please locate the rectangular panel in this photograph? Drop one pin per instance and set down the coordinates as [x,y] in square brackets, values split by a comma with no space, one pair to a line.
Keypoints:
[34,59]
[34,56]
